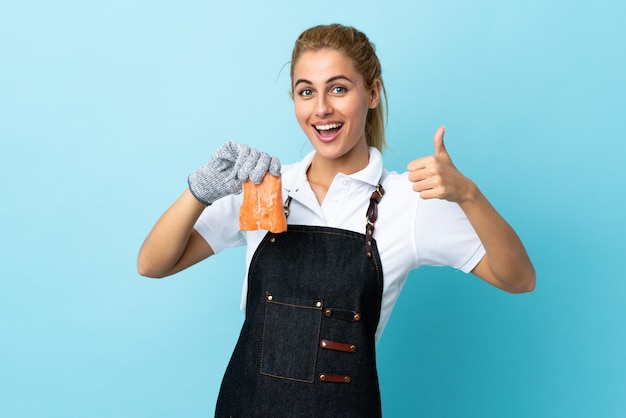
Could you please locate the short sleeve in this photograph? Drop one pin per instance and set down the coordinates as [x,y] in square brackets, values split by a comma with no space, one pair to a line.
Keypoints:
[445,237]
[219,224]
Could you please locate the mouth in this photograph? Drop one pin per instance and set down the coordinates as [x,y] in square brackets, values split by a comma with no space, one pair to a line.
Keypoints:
[329,131]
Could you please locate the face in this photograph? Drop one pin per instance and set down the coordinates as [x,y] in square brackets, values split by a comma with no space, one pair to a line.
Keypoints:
[331,103]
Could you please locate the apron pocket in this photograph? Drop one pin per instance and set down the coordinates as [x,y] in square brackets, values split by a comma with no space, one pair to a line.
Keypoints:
[291,332]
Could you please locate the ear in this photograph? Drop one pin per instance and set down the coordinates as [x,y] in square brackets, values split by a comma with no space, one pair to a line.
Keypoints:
[375,94]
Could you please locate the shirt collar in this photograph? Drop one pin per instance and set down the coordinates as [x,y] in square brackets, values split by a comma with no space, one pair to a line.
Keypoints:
[371,174]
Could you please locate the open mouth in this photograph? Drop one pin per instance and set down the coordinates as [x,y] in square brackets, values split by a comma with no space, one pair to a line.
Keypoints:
[329,130]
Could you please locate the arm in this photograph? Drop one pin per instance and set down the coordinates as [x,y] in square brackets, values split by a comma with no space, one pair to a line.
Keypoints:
[506,264]
[173,244]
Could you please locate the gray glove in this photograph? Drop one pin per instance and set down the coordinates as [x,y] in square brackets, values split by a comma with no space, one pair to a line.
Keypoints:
[228,168]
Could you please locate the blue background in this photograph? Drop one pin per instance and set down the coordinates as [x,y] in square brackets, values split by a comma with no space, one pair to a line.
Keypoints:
[105,107]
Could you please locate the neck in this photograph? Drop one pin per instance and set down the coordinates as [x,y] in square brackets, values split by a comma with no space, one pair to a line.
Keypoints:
[323,170]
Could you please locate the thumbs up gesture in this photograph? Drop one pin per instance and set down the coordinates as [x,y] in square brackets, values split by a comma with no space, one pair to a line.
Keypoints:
[436,177]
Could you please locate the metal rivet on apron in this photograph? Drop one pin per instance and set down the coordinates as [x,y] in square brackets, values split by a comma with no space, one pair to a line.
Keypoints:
[337,346]
[318,304]
[327,313]
[269,297]
[273,239]
[334,378]
[357,317]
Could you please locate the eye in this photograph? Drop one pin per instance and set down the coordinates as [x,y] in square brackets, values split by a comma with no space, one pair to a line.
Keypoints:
[304,93]
[339,90]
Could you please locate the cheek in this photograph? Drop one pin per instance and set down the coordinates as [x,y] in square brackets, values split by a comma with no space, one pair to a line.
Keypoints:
[301,114]
[358,114]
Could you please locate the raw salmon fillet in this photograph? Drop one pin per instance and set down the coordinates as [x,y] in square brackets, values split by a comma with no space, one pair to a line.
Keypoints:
[262,206]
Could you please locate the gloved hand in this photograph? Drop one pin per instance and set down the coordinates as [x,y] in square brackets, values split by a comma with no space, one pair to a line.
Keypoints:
[228,168]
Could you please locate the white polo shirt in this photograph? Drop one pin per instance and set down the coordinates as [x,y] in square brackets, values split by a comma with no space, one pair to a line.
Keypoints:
[410,231]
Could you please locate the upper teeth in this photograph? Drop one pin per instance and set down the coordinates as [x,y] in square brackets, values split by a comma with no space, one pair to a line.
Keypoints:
[327,127]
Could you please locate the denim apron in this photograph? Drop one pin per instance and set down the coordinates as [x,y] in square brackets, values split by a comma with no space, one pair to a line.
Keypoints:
[307,345]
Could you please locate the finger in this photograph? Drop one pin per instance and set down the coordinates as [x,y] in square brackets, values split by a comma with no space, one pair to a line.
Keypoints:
[241,157]
[260,168]
[224,159]
[429,189]
[275,167]
[418,164]
[420,186]
[440,147]
[249,158]
[225,152]
[234,185]
[417,175]
[427,183]
[429,194]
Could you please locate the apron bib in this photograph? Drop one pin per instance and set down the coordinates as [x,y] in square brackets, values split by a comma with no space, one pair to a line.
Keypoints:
[307,345]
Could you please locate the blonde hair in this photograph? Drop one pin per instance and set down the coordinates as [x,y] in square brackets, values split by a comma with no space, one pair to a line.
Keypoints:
[362,52]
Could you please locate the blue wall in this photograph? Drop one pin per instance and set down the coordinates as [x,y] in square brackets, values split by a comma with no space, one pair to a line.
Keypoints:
[105,107]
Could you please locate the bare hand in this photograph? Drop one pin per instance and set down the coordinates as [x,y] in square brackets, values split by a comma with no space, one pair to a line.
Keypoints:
[436,177]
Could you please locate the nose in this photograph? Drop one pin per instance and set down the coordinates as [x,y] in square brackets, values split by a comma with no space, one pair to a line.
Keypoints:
[323,107]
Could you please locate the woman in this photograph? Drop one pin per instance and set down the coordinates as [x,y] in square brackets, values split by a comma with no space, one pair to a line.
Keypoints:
[318,296]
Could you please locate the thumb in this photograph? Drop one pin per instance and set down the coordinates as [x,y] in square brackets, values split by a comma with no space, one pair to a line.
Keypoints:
[440,148]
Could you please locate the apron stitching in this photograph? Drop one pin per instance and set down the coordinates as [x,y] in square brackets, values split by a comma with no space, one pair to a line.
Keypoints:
[266,323]
[319,327]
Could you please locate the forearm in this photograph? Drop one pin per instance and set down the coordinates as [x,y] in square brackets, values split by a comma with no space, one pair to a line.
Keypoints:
[507,263]
[166,248]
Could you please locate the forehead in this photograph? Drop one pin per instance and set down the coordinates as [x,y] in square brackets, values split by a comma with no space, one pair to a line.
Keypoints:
[323,64]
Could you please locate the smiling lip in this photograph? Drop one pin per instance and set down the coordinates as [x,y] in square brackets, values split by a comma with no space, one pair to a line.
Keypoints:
[327,131]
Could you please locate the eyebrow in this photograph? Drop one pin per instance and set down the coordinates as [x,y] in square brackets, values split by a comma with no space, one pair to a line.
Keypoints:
[330,80]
